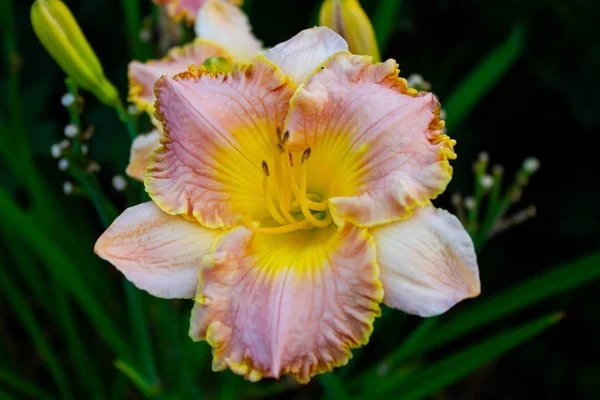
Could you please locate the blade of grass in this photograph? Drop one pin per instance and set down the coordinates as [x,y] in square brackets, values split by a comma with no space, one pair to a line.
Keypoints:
[481,78]
[62,270]
[384,20]
[34,330]
[75,345]
[136,378]
[23,386]
[140,331]
[558,280]
[430,380]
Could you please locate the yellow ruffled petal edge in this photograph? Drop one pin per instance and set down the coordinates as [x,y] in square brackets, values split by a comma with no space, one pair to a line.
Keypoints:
[196,73]
[436,136]
[217,334]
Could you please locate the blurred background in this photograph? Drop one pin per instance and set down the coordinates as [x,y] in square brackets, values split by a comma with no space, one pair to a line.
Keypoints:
[517,79]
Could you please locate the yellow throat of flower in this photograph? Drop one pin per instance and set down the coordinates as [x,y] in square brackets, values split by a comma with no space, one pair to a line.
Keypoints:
[286,196]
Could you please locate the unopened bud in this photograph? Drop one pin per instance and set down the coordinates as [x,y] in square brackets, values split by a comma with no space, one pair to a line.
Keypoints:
[71,131]
[63,164]
[57,29]
[349,20]
[67,187]
[67,100]
[531,164]
[84,149]
[487,181]
[145,34]
[217,64]
[416,81]
[119,183]
[469,203]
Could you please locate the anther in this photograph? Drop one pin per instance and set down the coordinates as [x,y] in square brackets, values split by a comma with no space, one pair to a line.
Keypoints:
[306,154]
[265,168]
[291,159]
[280,147]
[286,137]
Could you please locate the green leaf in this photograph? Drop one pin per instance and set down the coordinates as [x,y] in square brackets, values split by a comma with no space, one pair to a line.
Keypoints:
[23,386]
[384,20]
[334,387]
[515,298]
[62,270]
[25,315]
[140,330]
[136,378]
[481,78]
[429,380]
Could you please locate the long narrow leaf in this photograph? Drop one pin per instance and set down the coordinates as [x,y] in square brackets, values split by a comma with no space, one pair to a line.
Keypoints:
[62,270]
[430,380]
[515,298]
[34,330]
[481,78]
[136,378]
[23,386]
[384,19]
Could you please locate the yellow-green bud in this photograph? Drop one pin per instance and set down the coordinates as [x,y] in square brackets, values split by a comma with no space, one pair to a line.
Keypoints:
[217,64]
[350,21]
[57,29]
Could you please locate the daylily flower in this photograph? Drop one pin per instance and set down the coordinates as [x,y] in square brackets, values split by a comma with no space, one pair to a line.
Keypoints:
[291,196]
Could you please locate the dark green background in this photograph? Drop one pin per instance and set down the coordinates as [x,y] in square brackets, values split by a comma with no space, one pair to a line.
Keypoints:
[547,105]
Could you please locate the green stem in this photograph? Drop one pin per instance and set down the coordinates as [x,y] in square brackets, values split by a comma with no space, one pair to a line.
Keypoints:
[127,120]
[106,211]
[141,50]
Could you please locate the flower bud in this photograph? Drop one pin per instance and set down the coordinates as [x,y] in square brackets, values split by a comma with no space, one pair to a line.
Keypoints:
[217,64]
[57,29]
[347,18]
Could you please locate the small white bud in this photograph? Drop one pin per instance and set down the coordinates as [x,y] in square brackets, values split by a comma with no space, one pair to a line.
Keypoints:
[93,167]
[132,109]
[71,131]
[531,164]
[443,114]
[456,199]
[417,81]
[67,100]
[469,203]
[119,183]
[145,34]
[67,187]
[487,181]
[84,149]
[383,369]
[63,164]
[483,157]
[56,150]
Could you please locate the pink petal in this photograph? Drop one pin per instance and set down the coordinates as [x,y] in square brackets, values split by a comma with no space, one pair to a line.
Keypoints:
[301,55]
[179,9]
[428,262]
[287,304]
[381,142]
[158,252]
[218,130]
[143,76]
[139,156]
[225,23]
